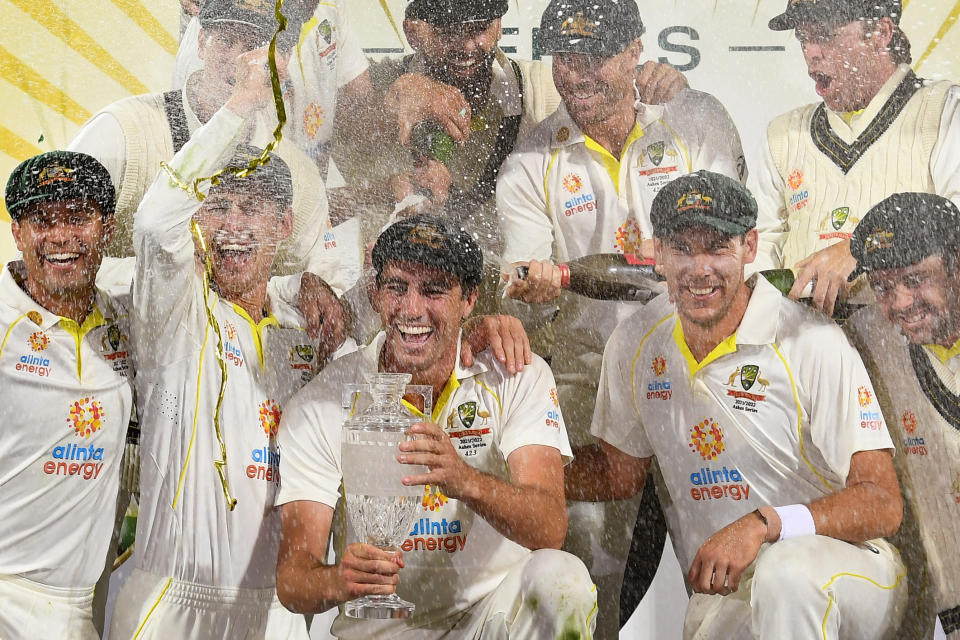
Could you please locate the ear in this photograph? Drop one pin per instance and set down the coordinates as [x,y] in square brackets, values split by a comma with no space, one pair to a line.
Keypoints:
[468,304]
[499,26]
[109,225]
[415,30]
[751,240]
[285,228]
[883,34]
[635,48]
[15,230]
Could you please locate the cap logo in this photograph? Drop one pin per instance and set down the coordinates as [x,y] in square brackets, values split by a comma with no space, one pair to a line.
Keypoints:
[428,235]
[879,239]
[694,200]
[578,25]
[55,173]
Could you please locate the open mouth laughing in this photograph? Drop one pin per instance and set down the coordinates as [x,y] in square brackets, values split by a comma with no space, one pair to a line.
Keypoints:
[414,335]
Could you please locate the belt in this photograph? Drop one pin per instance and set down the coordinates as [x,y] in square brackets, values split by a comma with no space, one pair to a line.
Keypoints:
[950,619]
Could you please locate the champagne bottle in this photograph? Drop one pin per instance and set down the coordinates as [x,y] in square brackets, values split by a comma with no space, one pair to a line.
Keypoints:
[783,280]
[430,141]
[608,276]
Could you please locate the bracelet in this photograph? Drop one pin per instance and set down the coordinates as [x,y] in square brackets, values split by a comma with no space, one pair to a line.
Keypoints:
[795,521]
[763,519]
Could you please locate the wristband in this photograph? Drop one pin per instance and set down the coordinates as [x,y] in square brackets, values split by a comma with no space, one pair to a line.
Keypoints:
[795,521]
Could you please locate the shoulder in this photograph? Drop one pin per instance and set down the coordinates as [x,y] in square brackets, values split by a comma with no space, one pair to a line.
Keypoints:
[315,399]
[649,325]
[806,335]
[541,139]
[793,119]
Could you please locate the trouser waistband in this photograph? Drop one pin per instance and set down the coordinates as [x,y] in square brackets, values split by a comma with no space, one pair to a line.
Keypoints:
[203,595]
[82,597]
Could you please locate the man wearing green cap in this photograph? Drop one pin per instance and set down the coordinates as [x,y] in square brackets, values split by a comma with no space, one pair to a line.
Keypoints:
[879,130]
[133,136]
[581,184]
[64,362]
[482,559]
[908,245]
[768,433]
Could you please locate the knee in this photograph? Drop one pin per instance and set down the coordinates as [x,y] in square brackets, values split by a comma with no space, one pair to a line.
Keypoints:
[784,571]
[557,582]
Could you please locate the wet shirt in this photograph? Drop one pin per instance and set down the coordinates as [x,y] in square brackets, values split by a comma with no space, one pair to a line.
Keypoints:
[185,530]
[925,426]
[453,557]
[771,416]
[66,403]
[326,58]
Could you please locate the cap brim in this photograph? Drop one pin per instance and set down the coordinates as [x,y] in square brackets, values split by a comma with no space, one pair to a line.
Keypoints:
[583,45]
[782,22]
[719,224]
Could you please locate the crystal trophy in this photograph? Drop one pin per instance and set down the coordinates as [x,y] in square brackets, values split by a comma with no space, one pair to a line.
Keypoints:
[382,510]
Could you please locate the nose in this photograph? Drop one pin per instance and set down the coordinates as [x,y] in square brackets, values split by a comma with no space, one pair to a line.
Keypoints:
[811,51]
[901,298]
[411,304]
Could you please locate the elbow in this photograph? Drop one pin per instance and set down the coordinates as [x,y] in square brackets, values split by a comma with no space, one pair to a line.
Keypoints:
[894,514]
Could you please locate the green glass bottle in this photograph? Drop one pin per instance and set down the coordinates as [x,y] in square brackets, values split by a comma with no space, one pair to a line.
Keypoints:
[607,276]
[431,141]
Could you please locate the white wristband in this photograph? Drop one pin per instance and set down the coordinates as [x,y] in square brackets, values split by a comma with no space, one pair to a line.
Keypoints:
[795,521]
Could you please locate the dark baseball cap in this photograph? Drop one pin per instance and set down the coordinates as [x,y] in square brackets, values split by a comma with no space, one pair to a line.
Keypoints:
[448,12]
[59,175]
[799,11]
[436,242]
[255,14]
[595,27]
[905,229]
[703,199]
[272,179]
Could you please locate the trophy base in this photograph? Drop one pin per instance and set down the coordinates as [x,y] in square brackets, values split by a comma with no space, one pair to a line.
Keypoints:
[379,607]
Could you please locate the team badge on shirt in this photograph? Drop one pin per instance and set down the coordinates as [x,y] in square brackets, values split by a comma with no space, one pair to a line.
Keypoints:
[751,383]
[113,348]
[472,437]
[835,220]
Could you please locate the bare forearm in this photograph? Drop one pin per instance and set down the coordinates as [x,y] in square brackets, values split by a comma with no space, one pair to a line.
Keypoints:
[858,513]
[592,477]
[529,516]
[306,585]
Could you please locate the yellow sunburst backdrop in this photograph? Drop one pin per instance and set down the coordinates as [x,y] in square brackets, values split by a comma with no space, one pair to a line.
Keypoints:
[63,60]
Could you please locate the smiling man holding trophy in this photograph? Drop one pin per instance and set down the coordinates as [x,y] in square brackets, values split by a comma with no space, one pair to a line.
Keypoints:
[481,556]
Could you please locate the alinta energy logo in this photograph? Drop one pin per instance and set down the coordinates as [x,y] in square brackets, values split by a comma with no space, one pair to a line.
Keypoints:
[86,416]
[270,418]
[433,498]
[869,418]
[706,438]
[659,366]
[39,341]
[912,444]
[572,182]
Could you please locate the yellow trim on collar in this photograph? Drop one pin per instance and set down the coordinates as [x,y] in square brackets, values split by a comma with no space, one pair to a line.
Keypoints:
[452,385]
[612,164]
[729,345]
[257,328]
[848,116]
[93,320]
[942,353]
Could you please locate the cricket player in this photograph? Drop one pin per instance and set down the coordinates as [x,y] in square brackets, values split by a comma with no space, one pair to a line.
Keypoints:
[483,558]
[215,369]
[908,245]
[879,130]
[582,184]
[64,365]
[771,443]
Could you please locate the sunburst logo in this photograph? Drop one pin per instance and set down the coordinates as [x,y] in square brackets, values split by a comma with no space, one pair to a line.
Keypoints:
[313,119]
[86,417]
[554,398]
[909,421]
[433,498]
[659,366]
[270,418]
[231,331]
[706,438]
[795,179]
[864,397]
[39,341]
[629,238]
[572,182]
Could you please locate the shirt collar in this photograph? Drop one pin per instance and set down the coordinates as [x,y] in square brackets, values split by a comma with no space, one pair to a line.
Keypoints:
[566,132]
[943,354]
[16,297]
[868,113]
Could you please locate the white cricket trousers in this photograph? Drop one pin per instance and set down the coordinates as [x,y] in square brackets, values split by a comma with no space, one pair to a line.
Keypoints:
[808,588]
[31,610]
[154,607]
[550,595]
